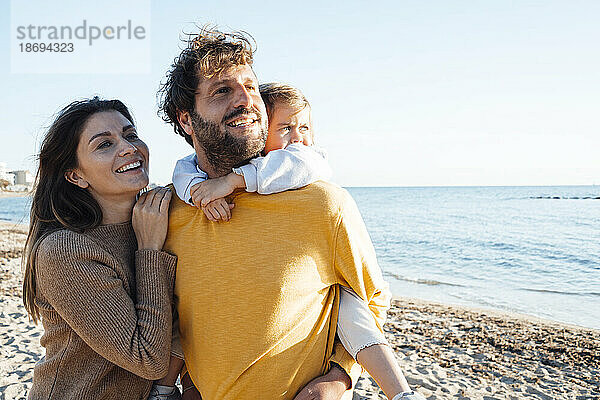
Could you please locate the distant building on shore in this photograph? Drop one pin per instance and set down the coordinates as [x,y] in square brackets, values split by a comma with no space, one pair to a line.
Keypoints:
[15,181]
[23,177]
[6,175]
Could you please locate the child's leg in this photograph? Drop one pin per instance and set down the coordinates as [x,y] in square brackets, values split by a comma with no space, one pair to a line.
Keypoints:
[380,363]
[360,335]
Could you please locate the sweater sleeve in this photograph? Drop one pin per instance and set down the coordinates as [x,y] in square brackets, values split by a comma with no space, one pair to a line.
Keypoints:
[355,266]
[186,175]
[89,295]
[290,168]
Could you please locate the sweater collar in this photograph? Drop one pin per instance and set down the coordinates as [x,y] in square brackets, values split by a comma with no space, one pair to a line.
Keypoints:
[109,233]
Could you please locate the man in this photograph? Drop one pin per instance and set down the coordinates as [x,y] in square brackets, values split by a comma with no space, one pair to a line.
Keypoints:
[258,296]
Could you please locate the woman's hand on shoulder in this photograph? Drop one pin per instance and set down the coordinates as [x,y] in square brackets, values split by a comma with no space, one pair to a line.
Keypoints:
[150,218]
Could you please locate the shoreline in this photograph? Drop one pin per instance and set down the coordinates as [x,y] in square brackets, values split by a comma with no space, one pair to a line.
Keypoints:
[509,315]
[6,195]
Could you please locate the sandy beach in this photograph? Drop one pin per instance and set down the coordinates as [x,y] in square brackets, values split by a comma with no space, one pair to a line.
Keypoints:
[447,352]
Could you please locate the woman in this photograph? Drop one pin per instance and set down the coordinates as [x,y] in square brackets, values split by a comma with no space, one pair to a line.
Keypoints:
[94,270]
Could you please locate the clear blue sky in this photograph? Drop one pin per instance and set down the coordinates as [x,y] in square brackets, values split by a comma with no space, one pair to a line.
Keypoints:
[404,93]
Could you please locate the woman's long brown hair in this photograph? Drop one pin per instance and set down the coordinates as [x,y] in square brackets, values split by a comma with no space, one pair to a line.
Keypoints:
[56,203]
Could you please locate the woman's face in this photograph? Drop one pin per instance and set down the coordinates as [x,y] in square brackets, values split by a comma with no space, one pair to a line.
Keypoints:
[112,159]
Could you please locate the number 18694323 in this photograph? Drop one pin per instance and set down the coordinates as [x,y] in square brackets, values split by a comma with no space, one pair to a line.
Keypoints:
[46,47]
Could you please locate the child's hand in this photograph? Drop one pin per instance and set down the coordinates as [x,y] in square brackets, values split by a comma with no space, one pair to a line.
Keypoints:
[211,189]
[218,209]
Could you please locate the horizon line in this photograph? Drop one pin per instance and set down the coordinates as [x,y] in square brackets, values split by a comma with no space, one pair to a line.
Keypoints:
[463,186]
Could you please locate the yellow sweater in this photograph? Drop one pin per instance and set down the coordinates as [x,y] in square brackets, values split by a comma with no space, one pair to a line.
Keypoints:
[257,296]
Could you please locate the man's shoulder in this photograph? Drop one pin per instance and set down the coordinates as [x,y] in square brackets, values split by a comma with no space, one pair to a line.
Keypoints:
[320,197]
[326,193]
[179,210]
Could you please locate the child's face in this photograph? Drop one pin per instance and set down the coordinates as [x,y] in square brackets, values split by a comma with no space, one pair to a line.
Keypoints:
[287,126]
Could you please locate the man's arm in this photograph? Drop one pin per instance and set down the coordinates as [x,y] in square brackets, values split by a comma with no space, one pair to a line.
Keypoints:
[190,392]
[355,262]
[330,386]
[355,266]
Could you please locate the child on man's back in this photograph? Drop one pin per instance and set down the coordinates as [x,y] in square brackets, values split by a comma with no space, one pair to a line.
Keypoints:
[291,161]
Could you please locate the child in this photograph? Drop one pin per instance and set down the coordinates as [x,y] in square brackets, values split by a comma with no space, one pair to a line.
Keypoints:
[291,161]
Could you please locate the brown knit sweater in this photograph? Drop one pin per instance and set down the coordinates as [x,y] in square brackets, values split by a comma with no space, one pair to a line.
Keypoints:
[106,311]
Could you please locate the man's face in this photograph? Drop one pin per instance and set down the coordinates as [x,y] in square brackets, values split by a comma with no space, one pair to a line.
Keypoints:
[230,119]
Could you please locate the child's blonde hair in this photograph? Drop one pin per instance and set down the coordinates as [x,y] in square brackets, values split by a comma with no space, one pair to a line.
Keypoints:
[276,92]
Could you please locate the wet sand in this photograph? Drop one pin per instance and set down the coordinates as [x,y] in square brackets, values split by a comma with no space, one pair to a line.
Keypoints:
[447,352]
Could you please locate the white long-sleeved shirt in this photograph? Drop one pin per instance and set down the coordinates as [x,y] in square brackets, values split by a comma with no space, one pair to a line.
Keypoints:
[291,168]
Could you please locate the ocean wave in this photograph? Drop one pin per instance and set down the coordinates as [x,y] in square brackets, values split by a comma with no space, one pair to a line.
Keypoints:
[565,197]
[563,256]
[429,282]
[502,246]
[561,292]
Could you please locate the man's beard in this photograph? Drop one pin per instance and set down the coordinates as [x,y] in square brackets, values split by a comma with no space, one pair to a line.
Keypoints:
[223,150]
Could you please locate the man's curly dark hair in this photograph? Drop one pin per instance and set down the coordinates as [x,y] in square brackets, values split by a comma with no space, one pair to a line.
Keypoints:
[206,54]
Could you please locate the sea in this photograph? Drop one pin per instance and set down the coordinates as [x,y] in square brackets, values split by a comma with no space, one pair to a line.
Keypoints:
[529,250]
